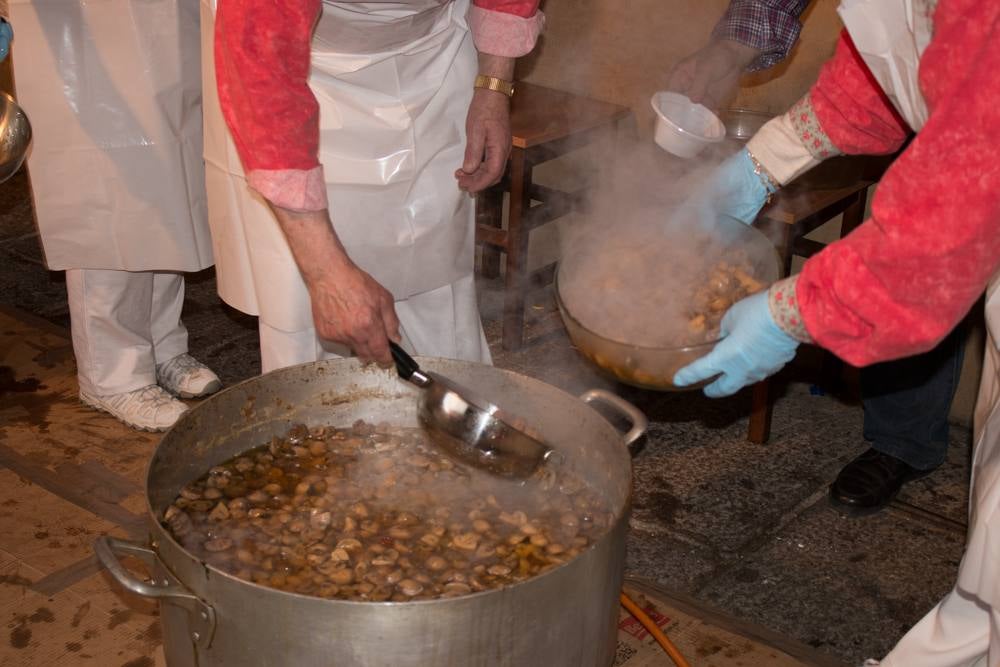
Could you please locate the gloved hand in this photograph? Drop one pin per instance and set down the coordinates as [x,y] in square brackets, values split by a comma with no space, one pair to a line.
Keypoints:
[752,348]
[733,189]
[6,34]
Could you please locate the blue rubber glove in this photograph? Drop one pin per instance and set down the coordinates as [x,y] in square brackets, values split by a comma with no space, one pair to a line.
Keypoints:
[734,189]
[752,348]
[6,34]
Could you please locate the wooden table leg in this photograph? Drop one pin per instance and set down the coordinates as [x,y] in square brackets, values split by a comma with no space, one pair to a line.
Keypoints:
[517,251]
[854,214]
[788,234]
[761,407]
[489,211]
[760,413]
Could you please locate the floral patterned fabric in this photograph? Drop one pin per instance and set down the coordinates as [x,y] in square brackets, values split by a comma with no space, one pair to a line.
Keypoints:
[810,132]
[784,305]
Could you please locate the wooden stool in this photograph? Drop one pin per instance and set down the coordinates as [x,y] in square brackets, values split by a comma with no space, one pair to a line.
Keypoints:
[838,186]
[545,124]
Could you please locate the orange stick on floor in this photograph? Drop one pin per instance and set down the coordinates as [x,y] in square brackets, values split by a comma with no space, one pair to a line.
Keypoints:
[654,630]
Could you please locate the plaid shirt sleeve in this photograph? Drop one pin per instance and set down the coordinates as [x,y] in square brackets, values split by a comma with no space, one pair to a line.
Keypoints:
[771,26]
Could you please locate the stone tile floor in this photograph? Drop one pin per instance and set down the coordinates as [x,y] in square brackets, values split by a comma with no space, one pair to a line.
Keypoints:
[744,528]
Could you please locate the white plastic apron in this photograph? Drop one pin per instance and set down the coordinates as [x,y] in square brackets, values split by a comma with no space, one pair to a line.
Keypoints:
[113,89]
[891,35]
[963,630]
[394,82]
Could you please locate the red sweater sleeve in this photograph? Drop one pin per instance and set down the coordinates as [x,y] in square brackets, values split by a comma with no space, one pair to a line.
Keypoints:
[262,60]
[507,28]
[523,8]
[900,282]
[261,68]
[851,108]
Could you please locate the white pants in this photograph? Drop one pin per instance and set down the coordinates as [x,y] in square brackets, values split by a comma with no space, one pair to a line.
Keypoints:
[440,323]
[123,324]
[963,630]
[959,632]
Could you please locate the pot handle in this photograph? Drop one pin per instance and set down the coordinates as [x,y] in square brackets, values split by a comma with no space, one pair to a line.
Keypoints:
[202,615]
[626,409]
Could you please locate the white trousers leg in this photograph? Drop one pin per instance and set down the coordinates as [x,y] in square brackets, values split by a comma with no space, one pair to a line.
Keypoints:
[959,632]
[122,323]
[169,335]
[440,323]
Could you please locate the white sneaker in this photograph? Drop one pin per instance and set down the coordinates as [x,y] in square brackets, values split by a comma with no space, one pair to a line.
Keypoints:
[146,409]
[187,377]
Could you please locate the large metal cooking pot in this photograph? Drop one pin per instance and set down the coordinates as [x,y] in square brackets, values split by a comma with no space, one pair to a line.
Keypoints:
[566,616]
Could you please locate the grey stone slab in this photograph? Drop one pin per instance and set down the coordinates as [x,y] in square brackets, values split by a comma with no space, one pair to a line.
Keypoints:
[714,484]
[668,561]
[850,587]
[27,248]
[946,490]
[234,358]
[219,336]
[25,283]
[16,218]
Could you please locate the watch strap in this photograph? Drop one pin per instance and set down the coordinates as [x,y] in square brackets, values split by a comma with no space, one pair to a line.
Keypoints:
[495,84]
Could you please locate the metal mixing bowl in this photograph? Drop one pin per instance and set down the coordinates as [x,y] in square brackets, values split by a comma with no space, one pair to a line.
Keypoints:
[654,367]
[15,136]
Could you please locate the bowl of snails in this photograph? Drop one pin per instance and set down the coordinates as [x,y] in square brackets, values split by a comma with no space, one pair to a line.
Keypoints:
[649,301]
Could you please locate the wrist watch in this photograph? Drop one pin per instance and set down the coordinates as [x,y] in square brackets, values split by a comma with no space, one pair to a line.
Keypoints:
[495,84]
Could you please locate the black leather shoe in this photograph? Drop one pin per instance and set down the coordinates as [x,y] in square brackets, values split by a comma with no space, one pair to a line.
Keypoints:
[870,481]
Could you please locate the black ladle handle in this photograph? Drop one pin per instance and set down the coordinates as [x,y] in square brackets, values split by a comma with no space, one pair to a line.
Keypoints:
[406,366]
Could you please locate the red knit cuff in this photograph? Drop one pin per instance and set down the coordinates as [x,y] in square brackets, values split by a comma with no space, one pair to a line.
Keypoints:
[784,305]
[502,34]
[294,189]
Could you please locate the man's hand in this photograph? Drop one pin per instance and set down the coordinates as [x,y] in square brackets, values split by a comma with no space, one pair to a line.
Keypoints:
[348,305]
[487,146]
[351,308]
[710,75]
[487,129]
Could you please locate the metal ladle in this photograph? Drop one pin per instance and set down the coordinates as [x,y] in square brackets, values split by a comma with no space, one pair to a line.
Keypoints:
[15,136]
[470,428]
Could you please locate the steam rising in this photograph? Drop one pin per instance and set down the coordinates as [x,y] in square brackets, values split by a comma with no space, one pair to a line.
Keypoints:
[631,270]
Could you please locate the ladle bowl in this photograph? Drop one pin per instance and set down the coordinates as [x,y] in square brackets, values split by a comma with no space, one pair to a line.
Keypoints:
[470,428]
[15,136]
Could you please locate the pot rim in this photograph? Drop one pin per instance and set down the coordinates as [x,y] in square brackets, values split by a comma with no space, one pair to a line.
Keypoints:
[164,534]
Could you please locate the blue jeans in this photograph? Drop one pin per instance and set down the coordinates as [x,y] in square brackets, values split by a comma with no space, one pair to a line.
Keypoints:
[907,402]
